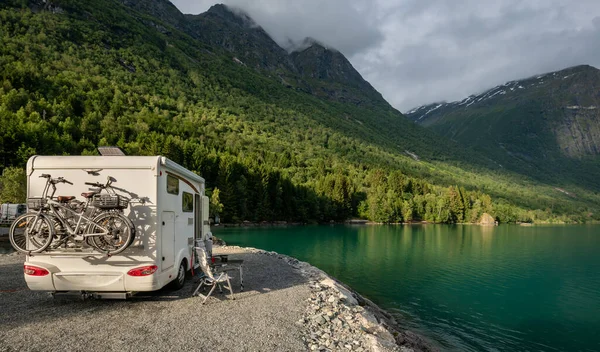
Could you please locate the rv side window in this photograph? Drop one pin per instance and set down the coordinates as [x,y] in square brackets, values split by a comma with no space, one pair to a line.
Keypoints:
[172,185]
[187,204]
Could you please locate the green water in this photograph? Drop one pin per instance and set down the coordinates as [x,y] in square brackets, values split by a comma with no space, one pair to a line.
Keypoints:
[468,288]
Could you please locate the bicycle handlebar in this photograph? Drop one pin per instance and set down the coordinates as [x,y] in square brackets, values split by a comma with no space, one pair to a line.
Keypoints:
[95,184]
[55,180]
[62,180]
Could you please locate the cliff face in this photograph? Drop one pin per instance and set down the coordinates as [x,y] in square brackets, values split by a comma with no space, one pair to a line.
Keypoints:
[163,10]
[577,127]
[237,33]
[317,62]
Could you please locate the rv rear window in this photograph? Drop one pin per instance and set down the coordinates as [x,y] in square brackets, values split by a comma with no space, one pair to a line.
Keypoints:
[187,202]
[172,185]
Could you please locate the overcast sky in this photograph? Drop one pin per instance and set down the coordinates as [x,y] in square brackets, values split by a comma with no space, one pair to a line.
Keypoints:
[416,52]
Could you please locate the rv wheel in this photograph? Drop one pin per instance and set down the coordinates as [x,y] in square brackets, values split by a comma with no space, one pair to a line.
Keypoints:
[180,279]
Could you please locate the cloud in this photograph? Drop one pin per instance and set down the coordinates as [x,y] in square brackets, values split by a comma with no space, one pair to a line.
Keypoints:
[416,52]
[454,52]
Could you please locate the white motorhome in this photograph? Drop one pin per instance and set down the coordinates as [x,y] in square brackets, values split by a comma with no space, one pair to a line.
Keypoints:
[169,211]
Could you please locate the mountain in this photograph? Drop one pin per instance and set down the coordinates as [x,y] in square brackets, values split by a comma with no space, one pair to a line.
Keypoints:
[547,126]
[237,33]
[295,136]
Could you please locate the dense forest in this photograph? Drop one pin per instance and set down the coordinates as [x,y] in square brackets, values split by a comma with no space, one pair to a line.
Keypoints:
[77,75]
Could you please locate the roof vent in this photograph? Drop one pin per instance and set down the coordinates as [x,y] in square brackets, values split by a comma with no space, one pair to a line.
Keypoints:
[110,151]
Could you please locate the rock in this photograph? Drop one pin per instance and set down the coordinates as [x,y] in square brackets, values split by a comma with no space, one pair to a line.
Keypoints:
[367,319]
[319,319]
[487,220]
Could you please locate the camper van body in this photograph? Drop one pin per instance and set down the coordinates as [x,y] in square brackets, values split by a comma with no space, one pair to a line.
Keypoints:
[168,209]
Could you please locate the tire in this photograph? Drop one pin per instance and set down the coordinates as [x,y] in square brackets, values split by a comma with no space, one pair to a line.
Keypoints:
[31,233]
[179,281]
[120,236]
[133,230]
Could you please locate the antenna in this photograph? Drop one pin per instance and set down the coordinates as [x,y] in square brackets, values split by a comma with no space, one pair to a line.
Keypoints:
[110,151]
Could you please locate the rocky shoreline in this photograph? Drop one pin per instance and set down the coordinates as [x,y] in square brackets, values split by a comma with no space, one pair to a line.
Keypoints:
[339,319]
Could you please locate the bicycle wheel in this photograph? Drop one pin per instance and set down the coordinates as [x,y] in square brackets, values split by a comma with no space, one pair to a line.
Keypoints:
[132,227]
[119,236]
[60,233]
[31,233]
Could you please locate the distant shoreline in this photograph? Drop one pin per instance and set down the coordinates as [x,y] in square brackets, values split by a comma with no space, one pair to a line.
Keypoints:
[347,222]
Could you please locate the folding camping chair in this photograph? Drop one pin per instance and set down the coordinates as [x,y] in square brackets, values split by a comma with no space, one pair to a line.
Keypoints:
[208,279]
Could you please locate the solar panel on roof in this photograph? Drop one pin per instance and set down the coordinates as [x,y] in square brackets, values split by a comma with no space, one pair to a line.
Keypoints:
[110,151]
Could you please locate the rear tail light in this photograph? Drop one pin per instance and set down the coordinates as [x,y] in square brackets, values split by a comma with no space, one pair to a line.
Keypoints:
[35,271]
[143,270]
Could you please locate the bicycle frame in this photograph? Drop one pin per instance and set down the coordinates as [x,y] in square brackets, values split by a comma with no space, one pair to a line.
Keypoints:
[82,220]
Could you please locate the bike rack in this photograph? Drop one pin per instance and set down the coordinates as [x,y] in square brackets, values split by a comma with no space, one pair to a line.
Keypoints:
[70,254]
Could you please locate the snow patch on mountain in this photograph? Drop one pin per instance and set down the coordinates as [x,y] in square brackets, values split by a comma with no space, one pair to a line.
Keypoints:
[509,88]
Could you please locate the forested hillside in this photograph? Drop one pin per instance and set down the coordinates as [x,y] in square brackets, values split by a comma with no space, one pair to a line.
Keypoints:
[304,140]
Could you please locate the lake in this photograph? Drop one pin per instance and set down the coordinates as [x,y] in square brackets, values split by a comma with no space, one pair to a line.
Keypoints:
[468,288]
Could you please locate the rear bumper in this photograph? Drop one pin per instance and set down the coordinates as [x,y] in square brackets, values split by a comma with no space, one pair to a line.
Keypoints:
[82,281]
[106,281]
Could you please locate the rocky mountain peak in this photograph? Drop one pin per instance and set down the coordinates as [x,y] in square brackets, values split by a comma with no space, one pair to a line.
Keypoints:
[320,62]
[566,80]
[163,10]
[304,44]
[231,14]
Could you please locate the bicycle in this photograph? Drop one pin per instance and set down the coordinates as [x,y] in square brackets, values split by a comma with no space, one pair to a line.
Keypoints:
[33,232]
[109,202]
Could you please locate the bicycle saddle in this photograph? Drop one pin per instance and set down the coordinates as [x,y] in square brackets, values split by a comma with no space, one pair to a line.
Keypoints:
[64,199]
[88,194]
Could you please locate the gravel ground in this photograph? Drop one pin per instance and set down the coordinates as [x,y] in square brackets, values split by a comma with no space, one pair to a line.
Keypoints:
[262,318]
